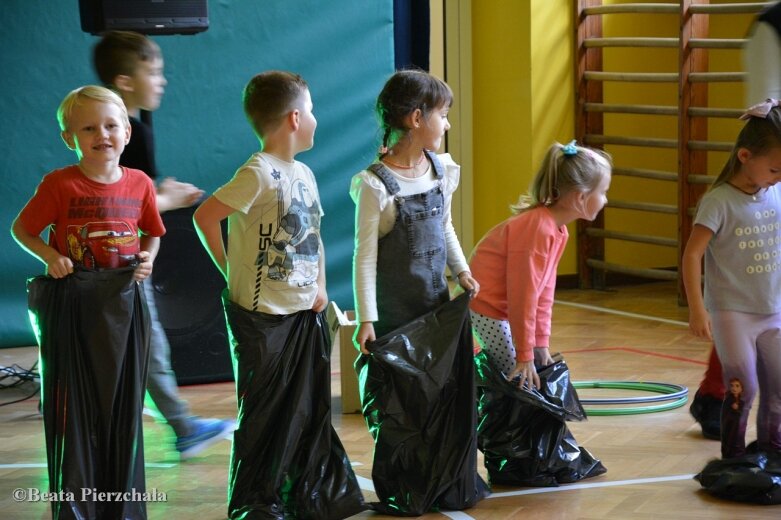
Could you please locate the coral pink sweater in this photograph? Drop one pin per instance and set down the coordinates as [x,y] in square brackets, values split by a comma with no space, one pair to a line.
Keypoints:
[515,264]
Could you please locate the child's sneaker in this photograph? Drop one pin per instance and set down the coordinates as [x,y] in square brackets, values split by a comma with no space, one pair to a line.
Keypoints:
[205,433]
[706,410]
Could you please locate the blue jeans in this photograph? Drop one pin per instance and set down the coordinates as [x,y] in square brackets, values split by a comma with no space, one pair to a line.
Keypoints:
[161,381]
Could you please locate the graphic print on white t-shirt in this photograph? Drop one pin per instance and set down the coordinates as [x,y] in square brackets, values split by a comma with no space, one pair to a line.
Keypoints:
[273,236]
[291,254]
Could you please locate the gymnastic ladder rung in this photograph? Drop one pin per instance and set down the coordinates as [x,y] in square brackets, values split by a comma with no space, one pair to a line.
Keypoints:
[691,145]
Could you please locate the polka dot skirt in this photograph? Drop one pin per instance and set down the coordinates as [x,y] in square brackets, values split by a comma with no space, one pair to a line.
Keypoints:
[495,340]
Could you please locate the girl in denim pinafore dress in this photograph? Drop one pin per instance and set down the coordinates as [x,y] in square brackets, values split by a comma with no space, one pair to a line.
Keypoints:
[404,240]
[416,242]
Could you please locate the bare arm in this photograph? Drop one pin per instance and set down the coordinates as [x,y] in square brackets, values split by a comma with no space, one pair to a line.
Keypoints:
[466,282]
[207,219]
[149,247]
[57,265]
[172,194]
[364,332]
[699,320]
[321,300]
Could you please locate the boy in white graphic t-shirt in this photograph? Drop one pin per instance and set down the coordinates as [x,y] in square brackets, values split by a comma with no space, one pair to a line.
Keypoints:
[275,269]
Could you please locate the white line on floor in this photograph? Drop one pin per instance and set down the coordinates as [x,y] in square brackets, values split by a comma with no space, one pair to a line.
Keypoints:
[457,515]
[621,313]
[569,487]
[365,484]
[41,465]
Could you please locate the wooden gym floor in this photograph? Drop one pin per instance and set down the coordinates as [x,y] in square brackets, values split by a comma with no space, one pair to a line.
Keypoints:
[632,333]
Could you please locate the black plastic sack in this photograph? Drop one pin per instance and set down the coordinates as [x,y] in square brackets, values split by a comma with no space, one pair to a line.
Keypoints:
[755,478]
[523,435]
[93,331]
[287,461]
[418,396]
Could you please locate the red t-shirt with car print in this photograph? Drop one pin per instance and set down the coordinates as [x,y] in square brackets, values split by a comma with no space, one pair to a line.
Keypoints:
[97,225]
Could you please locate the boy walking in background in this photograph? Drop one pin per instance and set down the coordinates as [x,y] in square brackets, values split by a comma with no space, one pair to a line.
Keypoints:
[132,65]
[287,460]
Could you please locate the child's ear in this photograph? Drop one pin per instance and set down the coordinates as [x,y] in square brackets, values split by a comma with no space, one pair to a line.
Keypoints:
[294,119]
[67,137]
[414,119]
[123,83]
[744,154]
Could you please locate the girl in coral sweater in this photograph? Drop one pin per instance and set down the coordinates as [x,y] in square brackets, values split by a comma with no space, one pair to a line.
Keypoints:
[515,263]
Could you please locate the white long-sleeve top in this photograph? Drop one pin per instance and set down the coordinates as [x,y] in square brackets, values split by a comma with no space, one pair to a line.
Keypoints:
[375,216]
[762,60]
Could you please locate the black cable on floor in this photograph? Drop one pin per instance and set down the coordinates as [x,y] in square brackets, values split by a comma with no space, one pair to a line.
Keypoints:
[15,376]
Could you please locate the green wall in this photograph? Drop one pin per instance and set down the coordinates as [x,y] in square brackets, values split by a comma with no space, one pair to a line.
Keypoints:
[343,48]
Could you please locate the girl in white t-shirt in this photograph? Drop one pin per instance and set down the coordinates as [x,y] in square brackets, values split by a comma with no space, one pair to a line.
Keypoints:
[738,231]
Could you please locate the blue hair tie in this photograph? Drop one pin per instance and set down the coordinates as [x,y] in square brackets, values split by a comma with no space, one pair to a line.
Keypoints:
[570,149]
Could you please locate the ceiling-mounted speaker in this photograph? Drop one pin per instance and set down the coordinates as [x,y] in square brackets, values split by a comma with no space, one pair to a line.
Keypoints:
[144,16]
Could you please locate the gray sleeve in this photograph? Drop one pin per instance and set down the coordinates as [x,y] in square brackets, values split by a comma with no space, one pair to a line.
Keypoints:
[710,212]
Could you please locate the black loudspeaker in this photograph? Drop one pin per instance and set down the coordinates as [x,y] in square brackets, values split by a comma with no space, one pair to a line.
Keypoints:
[188,290]
[144,16]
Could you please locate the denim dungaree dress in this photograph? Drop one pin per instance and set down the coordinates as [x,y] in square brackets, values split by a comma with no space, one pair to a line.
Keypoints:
[411,259]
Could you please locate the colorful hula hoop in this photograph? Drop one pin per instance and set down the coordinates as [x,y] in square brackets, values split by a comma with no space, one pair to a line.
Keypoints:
[671,396]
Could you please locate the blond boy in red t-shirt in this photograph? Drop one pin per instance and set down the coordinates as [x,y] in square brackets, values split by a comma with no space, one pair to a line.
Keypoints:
[95,208]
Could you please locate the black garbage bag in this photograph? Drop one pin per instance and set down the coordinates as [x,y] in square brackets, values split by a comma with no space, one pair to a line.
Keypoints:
[418,398]
[523,435]
[754,477]
[287,461]
[93,331]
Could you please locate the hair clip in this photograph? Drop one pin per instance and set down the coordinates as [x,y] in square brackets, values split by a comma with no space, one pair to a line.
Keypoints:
[570,149]
[760,110]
